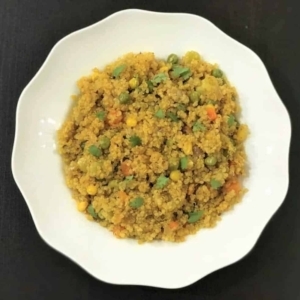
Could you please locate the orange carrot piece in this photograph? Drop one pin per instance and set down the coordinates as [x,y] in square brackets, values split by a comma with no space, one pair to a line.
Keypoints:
[117,230]
[125,168]
[233,186]
[211,112]
[114,117]
[173,225]
[123,196]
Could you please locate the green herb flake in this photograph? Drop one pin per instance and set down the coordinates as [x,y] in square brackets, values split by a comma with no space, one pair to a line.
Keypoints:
[195,216]
[135,141]
[212,102]
[179,71]
[184,163]
[101,115]
[198,127]
[187,75]
[181,106]
[160,114]
[215,184]
[128,178]
[172,116]
[137,202]
[118,70]
[95,151]
[161,181]
[92,211]
[150,86]
[231,120]
[159,78]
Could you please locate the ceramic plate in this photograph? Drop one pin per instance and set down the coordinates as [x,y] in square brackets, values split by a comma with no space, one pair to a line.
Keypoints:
[37,168]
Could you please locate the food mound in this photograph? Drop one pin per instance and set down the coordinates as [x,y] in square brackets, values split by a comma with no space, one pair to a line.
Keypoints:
[152,148]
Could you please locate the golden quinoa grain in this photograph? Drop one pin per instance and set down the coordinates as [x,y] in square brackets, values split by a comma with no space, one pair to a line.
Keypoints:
[137,185]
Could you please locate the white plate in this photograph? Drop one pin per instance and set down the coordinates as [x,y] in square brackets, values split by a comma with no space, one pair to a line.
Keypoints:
[37,167]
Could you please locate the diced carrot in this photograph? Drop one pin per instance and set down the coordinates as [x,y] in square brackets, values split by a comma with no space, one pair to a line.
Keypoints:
[211,112]
[114,117]
[173,225]
[123,196]
[125,168]
[117,230]
[233,186]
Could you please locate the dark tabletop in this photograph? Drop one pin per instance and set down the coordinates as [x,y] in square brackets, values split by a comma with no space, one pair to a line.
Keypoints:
[29,269]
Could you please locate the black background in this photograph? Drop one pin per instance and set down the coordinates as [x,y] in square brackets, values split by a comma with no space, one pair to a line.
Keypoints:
[29,269]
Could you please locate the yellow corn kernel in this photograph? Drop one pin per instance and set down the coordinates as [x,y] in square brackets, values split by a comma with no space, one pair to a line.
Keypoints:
[187,148]
[191,55]
[131,121]
[164,69]
[242,133]
[175,175]
[92,190]
[82,205]
[133,83]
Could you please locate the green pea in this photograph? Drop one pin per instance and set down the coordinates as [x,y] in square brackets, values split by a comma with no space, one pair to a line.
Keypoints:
[172,59]
[104,142]
[217,73]
[124,98]
[210,161]
[194,96]
[94,150]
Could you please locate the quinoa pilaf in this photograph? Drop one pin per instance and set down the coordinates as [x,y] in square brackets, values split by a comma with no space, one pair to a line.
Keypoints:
[153,149]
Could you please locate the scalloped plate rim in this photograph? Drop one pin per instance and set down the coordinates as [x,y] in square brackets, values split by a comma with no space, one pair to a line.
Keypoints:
[17,125]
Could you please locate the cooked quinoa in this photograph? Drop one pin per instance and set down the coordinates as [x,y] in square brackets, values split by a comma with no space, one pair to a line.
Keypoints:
[153,149]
